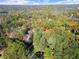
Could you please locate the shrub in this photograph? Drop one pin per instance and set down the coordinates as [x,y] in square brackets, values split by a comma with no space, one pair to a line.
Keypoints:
[15,50]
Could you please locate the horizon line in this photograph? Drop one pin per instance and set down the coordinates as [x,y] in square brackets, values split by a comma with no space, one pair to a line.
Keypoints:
[40,4]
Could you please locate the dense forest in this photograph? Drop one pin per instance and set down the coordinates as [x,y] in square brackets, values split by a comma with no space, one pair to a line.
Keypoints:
[43,32]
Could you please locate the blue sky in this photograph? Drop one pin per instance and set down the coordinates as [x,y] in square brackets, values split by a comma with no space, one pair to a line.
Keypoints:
[37,2]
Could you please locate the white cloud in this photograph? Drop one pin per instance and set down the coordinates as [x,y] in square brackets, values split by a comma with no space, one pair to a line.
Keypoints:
[31,2]
[17,2]
[68,2]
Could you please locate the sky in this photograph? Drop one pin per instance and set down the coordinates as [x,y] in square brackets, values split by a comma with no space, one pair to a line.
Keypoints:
[37,2]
